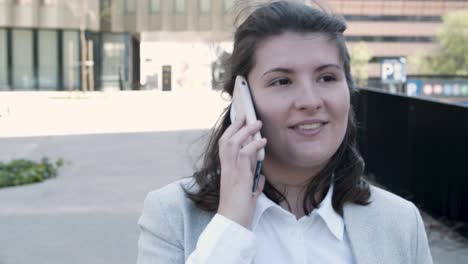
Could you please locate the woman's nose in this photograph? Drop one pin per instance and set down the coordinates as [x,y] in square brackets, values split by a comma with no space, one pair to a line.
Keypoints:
[308,97]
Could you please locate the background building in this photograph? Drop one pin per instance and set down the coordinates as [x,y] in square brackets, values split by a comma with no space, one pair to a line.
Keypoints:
[128,43]
[48,44]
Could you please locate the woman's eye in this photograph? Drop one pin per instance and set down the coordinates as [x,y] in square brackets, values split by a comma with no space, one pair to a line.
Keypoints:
[279,82]
[327,78]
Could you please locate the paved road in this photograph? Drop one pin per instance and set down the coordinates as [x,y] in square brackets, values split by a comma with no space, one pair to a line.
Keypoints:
[89,213]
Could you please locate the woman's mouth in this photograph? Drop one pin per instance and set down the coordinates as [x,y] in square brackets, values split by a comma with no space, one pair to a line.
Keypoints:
[309,126]
[309,129]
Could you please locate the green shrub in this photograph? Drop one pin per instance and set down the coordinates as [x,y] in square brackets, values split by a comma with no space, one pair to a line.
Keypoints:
[21,171]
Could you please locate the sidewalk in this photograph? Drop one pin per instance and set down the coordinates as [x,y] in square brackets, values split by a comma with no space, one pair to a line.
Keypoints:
[88,214]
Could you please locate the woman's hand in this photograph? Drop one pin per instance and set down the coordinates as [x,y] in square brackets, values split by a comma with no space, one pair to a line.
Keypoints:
[238,158]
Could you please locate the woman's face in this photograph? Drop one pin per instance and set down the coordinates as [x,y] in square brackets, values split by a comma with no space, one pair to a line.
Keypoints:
[301,96]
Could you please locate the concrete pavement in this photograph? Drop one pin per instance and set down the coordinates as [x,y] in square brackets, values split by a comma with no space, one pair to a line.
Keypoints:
[88,214]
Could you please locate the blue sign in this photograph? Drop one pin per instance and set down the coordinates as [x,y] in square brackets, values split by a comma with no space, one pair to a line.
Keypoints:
[437,87]
[414,87]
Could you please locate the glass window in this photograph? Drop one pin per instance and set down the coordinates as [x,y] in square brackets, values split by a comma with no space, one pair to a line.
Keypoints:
[48,2]
[23,72]
[48,59]
[105,13]
[179,6]
[204,6]
[155,6]
[129,6]
[71,60]
[23,2]
[228,4]
[113,61]
[3,61]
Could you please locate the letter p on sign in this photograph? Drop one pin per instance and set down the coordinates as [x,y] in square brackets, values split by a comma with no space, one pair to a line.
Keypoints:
[393,70]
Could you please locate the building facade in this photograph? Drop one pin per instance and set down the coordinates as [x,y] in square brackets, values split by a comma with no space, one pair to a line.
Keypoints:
[126,43]
[392,29]
[62,45]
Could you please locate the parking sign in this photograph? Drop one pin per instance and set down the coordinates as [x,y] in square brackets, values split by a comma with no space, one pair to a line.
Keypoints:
[393,70]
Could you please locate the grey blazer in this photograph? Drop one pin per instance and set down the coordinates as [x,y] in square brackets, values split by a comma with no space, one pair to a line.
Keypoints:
[389,230]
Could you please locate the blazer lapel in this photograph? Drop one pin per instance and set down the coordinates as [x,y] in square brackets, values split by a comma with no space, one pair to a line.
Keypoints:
[360,225]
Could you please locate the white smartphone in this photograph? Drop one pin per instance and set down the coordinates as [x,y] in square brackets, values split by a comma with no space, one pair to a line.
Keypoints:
[242,105]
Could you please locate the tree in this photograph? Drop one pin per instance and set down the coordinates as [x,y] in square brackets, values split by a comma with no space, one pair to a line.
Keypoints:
[360,57]
[452,56]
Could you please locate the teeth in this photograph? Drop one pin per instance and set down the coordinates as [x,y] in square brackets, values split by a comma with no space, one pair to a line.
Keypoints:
[310,126]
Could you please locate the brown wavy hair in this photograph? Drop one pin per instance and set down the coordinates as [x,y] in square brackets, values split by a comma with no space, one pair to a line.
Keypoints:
[346,166]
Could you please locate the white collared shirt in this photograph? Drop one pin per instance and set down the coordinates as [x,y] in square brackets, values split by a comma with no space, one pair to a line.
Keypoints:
[276,237]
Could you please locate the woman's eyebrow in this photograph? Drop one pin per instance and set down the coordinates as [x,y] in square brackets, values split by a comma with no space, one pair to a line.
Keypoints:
[322,67]
[279,69]
[286,70]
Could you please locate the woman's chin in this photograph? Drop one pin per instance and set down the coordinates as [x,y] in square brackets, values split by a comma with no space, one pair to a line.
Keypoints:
[300,158]
[308,161]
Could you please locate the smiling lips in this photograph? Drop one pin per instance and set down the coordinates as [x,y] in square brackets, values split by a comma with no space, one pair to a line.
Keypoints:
[309,128]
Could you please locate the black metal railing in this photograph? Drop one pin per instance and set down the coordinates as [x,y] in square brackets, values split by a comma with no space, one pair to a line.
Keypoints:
[418,149]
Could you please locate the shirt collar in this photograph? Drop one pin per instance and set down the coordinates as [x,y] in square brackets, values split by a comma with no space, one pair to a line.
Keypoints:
[332,219]
[263,204]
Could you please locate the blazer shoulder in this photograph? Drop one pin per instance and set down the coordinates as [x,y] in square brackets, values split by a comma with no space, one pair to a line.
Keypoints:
[171,218]
[385,208]
[171,191]
[172,197]
[393,210]
[385,199]
[388,220]
[391,206]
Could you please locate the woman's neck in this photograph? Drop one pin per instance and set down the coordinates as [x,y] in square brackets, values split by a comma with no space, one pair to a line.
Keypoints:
[291,182]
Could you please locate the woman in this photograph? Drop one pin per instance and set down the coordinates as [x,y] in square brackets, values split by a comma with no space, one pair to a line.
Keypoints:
[312,204]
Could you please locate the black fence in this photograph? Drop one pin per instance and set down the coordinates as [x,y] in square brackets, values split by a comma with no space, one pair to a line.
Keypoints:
[417,149]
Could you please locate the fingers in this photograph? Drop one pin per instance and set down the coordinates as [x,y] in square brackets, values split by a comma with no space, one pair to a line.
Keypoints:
[240,138]
[250,150]
[233,128]
[236,136]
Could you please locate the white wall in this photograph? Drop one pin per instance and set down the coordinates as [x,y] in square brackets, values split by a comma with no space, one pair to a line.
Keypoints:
[190,62]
